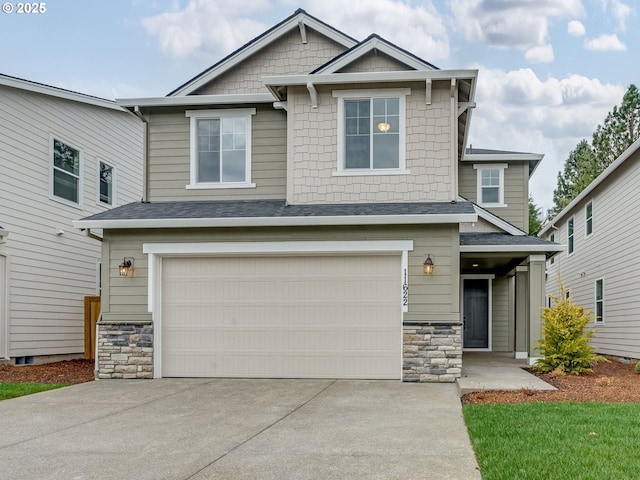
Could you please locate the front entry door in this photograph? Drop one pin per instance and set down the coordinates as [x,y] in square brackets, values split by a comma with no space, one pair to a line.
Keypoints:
[476,313]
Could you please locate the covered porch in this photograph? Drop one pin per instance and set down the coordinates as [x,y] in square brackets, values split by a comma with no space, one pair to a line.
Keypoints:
[502,285]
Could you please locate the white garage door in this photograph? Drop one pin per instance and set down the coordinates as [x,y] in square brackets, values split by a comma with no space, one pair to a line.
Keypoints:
[305,317]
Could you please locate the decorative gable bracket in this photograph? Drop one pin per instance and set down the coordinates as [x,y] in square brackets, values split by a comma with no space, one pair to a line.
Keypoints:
[313,93]
[464,106]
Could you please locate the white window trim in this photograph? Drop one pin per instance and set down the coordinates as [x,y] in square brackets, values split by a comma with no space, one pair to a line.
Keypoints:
[571,219]
[53,197]
[113,185]
[586,233]
[401,93]
[595,301]
[501,167]
[194,116]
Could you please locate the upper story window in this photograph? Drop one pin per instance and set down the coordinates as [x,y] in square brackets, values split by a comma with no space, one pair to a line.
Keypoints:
[491,184]
[570,235]
[220,148]
[106,182]
[66,170]
[588,213]
[552,238]
[371,131]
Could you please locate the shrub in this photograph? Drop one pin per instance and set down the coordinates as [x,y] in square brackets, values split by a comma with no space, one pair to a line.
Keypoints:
[565,343]
[637,369]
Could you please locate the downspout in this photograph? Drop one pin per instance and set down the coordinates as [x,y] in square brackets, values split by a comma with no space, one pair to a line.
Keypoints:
[145,154]
[89,234]
[454,139]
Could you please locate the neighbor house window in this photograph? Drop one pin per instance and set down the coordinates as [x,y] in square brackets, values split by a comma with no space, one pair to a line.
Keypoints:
[552,238]
[371,131]
[570,235]
[491,184]
[589,218]
[66,180]
[106,180]
[220,148]
[599,296]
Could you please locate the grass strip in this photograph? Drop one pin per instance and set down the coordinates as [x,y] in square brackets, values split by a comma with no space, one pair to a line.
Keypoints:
[556,440]
[12,390]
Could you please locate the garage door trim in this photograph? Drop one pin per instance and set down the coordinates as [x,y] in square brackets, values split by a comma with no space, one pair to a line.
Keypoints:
[156,251]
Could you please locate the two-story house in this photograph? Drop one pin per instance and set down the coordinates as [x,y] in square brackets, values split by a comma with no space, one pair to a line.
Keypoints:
[63,155]
[599,269]
[309,211]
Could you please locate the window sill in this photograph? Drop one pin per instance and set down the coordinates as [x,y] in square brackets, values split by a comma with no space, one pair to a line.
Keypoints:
[66,202]
[379,172]
[215,186]
[493,205]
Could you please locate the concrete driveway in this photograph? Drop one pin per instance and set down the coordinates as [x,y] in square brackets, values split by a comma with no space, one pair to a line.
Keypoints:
[237,429]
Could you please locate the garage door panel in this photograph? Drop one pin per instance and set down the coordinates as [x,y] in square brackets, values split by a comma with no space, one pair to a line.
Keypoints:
[312,317]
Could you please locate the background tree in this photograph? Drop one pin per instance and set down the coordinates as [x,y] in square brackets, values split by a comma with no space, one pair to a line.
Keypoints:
[535,218]
[580,168]
[620,129]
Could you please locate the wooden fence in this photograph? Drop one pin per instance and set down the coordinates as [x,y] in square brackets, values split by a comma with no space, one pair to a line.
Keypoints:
[91,314]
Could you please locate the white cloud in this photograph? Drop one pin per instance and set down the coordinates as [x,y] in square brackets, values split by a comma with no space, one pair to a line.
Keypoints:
[605,43]
[620,11]
[522,23]
[206,27]
[218,28]
[576,28]
[519,111]
[539,54]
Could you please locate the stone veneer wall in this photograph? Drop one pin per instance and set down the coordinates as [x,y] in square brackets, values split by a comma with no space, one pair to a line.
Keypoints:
[432,352]
[125,350]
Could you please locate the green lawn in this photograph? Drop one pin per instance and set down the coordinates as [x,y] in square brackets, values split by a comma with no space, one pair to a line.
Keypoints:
[11,390]
[556,441]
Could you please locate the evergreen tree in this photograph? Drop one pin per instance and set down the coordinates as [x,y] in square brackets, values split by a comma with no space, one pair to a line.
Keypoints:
[535,218]
[580,169]
[620,129]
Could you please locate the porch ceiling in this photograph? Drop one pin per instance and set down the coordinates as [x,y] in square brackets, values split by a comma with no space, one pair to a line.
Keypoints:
[497,263]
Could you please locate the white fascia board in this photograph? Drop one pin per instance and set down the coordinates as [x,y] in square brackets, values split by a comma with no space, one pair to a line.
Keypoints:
[301,247]
[487,157]
[374,44]
[635,146]
[511,248]
[58,93]
[196,100]
[276,221]
[249,50]
[498,222]
[273,82]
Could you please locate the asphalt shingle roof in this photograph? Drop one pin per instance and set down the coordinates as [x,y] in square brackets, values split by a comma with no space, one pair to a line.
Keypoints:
[499,239]
[273,209]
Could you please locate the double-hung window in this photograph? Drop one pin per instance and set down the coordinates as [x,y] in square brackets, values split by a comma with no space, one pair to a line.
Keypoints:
[490,185]
[66,178]
[220,148]
[599,299]
[371,131]
[570,235]
[552,239]
[588,213]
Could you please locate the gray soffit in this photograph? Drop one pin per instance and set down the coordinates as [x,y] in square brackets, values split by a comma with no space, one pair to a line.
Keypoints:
[274,212]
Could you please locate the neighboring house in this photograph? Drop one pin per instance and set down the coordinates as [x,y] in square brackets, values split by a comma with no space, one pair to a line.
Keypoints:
[63,155]
[309,212]
[599,268]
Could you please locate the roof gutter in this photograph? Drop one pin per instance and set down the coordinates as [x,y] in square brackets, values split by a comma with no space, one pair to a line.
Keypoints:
[276,221]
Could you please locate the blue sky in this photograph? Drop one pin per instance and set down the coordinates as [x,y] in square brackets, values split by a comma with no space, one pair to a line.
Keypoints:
[550,70]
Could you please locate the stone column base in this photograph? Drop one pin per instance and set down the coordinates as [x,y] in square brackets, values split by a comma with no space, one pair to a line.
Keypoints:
[432,352]
[125,350]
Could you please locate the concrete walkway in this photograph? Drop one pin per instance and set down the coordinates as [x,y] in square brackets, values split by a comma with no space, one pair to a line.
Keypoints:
[237,429]
[496,371]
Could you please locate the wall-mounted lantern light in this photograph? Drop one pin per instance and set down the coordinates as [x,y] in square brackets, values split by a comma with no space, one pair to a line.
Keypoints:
[428,265]
[125,267]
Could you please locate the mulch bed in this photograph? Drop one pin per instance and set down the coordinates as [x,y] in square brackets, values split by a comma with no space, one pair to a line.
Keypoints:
[609,382]
[68,371]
